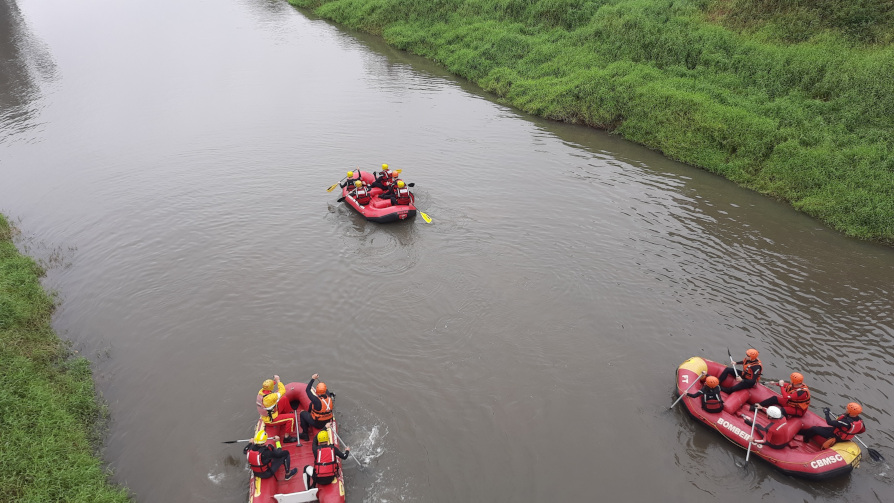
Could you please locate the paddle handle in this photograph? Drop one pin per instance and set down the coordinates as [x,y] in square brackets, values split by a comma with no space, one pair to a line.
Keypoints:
[751,437]
[687,390]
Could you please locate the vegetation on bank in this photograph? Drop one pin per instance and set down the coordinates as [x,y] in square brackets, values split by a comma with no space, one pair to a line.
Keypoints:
[48,407]
[792,98]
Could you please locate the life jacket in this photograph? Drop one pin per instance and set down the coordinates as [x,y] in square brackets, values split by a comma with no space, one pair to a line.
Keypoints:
[793,399]
[258,467]
[749,367]
[855,427]
[402,196]
[361,195]
[711,401]
[325,464]
[325,412]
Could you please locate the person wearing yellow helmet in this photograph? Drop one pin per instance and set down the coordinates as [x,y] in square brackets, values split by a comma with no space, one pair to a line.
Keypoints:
[264,460]
[748,377]
[276,412]
[270,386]
[845,427]
[350,179]
[326,465]
[360,193]
[398,193]
[322,407]
[711,400]
[383,179]
[795,397]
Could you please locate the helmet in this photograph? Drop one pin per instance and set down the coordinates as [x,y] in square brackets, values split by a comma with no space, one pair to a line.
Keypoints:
[712,382]
[323,437]
[796,378]
[774,412]
[261,437]
[752,353]
[270,400]
[321,389]
[384,167]
[268,385]
[350,174]
[854,409]
[358,184]
[394,174]
[401,184]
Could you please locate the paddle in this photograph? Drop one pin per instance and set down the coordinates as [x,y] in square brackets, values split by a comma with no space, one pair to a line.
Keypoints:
[873,454]
[751,437]
[237,441]
[687,390]
[342,442]
[733,362]
[336,184]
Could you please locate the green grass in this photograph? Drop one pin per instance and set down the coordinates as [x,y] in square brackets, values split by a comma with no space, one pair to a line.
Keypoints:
[49,414]
[777,95]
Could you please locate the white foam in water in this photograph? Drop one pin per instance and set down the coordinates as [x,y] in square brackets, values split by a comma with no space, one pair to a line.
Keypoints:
[216,478]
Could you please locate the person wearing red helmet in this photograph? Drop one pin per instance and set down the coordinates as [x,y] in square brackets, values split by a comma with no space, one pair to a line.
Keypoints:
[710,393]
[748,377]
[322,406]
[845,427]
[795,397]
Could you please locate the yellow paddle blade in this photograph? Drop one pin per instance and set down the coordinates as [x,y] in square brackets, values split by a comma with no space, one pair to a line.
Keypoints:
[425,217]
[330,189]
[398,171]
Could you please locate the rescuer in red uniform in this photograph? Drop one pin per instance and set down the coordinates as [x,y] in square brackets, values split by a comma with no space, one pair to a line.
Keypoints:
[795,397]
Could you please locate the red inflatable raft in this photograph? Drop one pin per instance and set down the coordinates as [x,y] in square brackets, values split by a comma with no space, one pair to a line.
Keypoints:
[798,458]
[378,210]
[276,489]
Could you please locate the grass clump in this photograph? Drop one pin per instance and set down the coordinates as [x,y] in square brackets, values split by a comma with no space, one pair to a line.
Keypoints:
[48,407]
[777,96]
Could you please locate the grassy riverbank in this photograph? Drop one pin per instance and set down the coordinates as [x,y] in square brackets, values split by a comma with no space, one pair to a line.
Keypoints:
[793,98]
[48,408]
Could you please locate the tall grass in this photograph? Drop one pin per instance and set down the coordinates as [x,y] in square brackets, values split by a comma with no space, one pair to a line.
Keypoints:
[720,84]
[48,408]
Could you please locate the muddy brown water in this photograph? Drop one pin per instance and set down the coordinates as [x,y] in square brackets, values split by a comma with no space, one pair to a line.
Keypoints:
[169,161]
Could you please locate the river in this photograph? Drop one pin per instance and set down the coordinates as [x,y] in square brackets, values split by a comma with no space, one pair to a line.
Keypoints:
[169,162]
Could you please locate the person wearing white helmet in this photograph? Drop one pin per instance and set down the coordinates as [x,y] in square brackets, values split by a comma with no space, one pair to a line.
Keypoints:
[775,434]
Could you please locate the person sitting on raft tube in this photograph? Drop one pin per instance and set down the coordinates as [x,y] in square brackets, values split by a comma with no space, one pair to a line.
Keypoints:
[360,193]
[774,432]
[846,427]
[265,459]
[750,375]
[710,393]
[795,397]
[267,387]
[350,179]
[325,468]
[399,194]
[322,405]
[383,181]
[272,416]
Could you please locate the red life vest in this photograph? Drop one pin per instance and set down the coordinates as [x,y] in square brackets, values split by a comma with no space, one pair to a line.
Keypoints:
[799,401]
[402,196]
[326,465]
[361,195]
[711,401]
[748,369]
[776,435]
[325,412]
[854,428]
[258,467]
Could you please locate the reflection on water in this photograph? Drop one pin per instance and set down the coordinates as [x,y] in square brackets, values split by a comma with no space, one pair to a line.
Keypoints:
[565,276]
